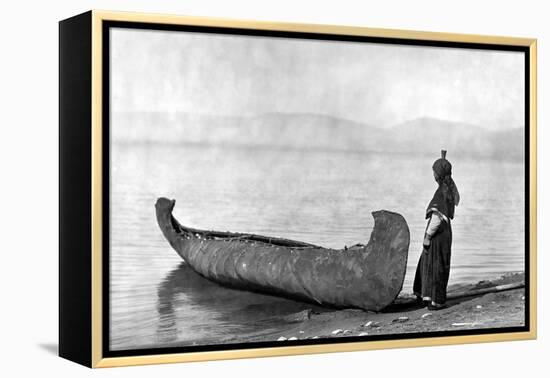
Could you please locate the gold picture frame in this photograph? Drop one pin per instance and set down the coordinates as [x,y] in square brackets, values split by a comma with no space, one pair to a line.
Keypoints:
[82,232]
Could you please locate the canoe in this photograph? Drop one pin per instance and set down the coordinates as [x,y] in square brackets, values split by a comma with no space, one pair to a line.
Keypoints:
[368,276]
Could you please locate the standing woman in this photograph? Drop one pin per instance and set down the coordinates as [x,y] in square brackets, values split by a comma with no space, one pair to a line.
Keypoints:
[432,272]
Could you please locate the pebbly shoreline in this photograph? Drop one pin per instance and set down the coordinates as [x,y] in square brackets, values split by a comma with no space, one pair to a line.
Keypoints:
[485,311]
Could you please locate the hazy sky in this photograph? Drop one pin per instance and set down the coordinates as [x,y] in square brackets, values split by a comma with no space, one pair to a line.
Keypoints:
[381,85]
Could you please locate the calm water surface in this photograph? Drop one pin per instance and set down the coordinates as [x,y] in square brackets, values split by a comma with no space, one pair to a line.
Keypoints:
[320,197]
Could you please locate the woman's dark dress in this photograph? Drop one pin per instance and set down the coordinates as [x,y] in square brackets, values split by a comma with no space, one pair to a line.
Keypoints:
[432,272]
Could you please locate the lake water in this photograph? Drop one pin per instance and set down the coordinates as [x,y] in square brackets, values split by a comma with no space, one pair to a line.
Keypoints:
[319,197]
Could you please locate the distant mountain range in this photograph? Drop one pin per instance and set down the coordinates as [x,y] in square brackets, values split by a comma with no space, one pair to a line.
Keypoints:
[313,131]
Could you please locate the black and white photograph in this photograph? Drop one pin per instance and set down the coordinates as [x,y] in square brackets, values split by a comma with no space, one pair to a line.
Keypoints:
[284,189]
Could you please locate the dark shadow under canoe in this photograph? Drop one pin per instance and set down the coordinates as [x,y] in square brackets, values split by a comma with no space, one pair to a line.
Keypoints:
[364,276]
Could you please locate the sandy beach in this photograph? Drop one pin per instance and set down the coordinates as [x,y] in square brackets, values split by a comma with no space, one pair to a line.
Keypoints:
[492,310]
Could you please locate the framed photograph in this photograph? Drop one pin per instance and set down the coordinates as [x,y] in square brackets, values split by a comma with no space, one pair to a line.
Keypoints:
[234,189]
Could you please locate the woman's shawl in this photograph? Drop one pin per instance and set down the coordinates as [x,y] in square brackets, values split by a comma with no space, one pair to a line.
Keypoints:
[440,206]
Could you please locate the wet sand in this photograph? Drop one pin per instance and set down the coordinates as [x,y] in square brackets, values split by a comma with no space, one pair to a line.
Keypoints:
[493,310]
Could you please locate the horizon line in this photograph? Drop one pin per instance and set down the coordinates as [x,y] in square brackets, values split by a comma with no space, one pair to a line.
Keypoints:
[249,116]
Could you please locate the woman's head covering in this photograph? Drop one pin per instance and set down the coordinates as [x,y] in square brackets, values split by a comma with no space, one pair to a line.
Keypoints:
[443,169]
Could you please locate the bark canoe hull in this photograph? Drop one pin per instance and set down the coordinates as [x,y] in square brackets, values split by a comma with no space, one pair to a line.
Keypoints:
[363,276]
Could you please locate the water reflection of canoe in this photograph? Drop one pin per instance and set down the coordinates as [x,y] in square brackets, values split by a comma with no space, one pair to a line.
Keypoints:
[193,309]
[368,277]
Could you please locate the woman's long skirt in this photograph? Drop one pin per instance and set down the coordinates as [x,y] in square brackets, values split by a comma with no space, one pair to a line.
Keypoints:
[432,271]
